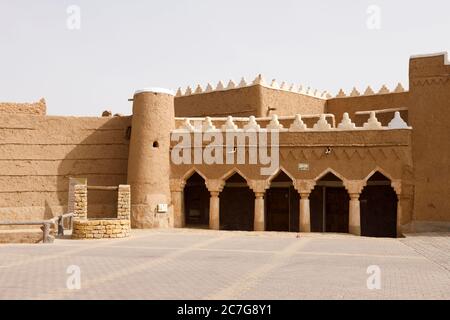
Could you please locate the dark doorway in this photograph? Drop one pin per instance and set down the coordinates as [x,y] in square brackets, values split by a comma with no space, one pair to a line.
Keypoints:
[282,205]
[378,203]
[196,202]
[237,205]
[329,205]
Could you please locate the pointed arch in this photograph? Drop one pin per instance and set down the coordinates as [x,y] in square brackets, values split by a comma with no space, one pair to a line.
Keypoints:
[191,172]
[380,170]
[330,170]
[233,171]
[278,171]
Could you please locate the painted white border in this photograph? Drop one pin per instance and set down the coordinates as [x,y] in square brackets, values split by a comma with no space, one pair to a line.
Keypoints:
[429,55]
[155,90]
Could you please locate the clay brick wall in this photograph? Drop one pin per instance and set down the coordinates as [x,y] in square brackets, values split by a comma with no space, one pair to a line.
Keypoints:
[237,102]
[429,116]
[39,154]
[338,106]
[247,101]
[289,103]
[37,108]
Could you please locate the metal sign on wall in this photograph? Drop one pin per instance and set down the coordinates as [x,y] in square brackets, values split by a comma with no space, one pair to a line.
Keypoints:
[303,167]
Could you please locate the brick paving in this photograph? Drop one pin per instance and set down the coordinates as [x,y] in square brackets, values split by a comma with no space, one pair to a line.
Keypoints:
[203,264]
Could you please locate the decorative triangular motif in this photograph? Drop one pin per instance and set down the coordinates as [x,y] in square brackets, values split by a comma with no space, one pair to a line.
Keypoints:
[339,154]
[349,153]
[382,154]
[297,154]
[373,153]
[319,153]
[308,154]
[396,154]
[361,153]
[284,152]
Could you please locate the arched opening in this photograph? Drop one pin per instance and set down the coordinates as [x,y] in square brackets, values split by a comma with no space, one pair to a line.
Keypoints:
[196,202]
[237,204]
[282,205]
[378,203]
[329,205]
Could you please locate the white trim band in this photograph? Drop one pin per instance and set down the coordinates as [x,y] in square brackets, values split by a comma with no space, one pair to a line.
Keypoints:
[155,90]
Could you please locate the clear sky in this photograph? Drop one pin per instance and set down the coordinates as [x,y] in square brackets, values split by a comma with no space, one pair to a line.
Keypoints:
[122,46]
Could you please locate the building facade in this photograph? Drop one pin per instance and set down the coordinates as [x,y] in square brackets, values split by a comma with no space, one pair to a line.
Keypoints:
[367,163]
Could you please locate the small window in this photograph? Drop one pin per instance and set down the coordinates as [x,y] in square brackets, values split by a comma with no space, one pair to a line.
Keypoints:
[155,144]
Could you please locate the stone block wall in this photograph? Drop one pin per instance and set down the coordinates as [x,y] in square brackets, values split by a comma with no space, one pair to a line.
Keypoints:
[80,205]
[123,202]
[84,228]
[101,229]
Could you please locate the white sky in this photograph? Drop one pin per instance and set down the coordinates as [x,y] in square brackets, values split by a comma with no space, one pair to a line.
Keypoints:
[126,45]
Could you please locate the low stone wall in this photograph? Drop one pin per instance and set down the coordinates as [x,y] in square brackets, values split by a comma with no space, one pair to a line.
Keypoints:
[101,229]
[84,228]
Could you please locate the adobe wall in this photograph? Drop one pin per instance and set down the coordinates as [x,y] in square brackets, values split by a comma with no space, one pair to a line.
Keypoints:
[235,102]
[355,155]
[289,103]
[38,154]
[430,117]
[256,100]
[338,106]
[37,108]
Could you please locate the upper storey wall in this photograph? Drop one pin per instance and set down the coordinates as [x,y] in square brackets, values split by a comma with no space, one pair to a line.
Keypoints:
[36,108]
[258,99]
[287,103]
[338,106]
[236,102]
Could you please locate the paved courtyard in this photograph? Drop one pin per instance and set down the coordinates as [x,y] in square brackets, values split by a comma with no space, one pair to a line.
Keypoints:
[203,264]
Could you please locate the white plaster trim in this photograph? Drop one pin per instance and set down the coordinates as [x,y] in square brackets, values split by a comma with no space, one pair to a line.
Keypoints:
[430,55]
[369,91]
[155,90]
[259,80]
[297,125]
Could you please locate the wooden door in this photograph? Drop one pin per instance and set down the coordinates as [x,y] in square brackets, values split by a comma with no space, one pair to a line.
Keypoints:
[277,204]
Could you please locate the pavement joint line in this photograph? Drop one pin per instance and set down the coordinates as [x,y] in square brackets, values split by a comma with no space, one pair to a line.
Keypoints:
[251,279]
[41,258]
[126,272]
[418,257]
[425,257]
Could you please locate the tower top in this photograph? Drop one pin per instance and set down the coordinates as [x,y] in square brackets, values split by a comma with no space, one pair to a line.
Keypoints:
[155,90]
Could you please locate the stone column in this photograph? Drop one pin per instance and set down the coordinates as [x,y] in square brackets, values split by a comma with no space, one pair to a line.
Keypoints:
[354,220]
[177,191]
[80,205]
[354,188]
[214,188]
[259,187]
[305,214]
[304,188]
[259,222]
[124,202]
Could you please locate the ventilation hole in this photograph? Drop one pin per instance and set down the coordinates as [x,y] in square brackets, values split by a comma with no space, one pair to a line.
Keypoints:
[128,133]
[155,144]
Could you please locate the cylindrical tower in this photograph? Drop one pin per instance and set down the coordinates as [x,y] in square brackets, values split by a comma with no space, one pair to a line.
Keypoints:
[149,158]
